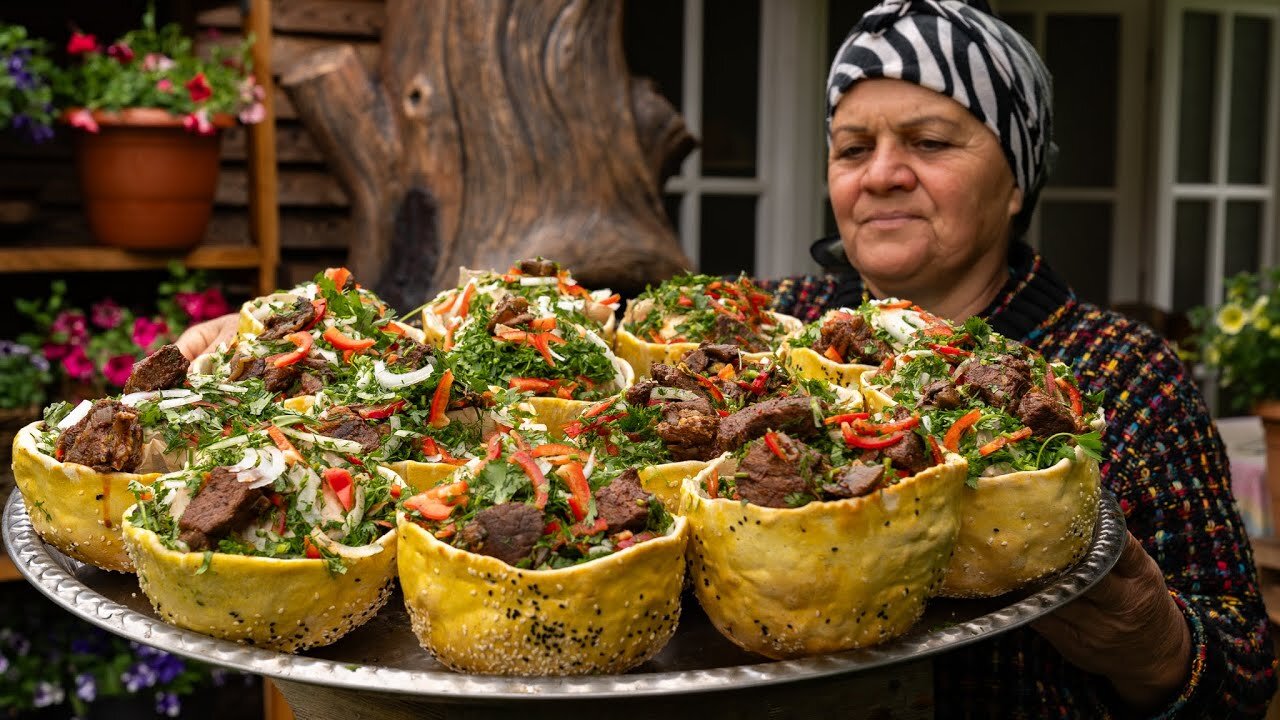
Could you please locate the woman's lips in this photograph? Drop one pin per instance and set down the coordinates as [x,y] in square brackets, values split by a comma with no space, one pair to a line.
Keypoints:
[889,220]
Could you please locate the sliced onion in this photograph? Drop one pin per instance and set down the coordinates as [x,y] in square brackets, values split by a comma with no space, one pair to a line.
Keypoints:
[329,356]
[179,401]
[892,322]
[391,381]
[232,441]
[531,281]
[346,551]
[590,466]
[669,393]
[76,415]
[133,398]
[228,388]
[324,441]
[249,460]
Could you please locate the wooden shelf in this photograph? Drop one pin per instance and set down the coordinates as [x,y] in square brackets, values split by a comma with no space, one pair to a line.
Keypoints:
[90,258]
[1266,552]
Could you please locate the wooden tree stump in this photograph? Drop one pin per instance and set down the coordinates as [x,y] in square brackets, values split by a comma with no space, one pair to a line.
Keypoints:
[495,131]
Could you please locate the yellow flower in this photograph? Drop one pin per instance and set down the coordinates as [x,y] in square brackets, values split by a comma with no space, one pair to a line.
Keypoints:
[1231,318]
[1274,332]
[1262,322]
[1212,356]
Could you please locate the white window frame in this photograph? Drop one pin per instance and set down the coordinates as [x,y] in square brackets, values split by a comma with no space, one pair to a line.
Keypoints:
[1219,191]
[789,144]
[1126,196]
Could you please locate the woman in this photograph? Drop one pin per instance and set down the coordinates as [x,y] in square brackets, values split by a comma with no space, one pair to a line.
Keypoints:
[940,140]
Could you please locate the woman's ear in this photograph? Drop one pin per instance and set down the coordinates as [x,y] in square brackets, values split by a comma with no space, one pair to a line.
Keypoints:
[1015,202]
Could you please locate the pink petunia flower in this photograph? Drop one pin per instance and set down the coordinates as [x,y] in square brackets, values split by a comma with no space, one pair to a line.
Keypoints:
[77,365]
[118,369]
[72,325]
[198,122]
[145,331]
[120,52]
[215,305]
[54,351]
[164,85]
[106,314]
[153,62]
[251,91]
[81,43]
[191,303]
[83,119]
[199,88]
[253,114]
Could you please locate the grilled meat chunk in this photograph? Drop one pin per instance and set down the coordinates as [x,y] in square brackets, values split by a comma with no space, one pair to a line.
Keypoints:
[107,439]
[288,321]
[623,503]
[342,422]
[1000,382]
[1046,416]
[223,506]
[854,339]
[507,532]
[770,479]
[161,370]
[787,413]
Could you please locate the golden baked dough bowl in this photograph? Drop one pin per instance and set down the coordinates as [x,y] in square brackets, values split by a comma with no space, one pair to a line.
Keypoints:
[74,508]
[555,413]
[478,614]
[664,481]
[827,576]
[286,605]
[250,324]
[804,363]
[643,354]
[1021,527]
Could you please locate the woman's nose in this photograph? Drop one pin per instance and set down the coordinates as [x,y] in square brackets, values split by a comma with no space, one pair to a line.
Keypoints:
[888,170]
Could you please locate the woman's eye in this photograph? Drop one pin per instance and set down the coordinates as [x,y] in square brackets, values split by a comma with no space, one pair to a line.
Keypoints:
[932,145]
[852,151]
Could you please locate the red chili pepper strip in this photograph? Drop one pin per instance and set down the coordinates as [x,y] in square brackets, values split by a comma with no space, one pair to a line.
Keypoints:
[339,480]
[291,454]
[846,418]
[899,305]
[318,307]
[541,343]
[684,301]
[543,323]
[440,401]
[598,408]
[948,350]
[533,385]
[338,275]
[1050,382]
[580,491]
[428,507]
[713,486]
[464,305]
[771,440]
[865,442]
[302,344]
[446,532]
[937,451]
[832,354]
[335,338]
[495,447]
[395,491]
[541,488]
[951,440]
[598,527]
[862,427]
[711,388]
[554,449]
[1077,405]
[1003,440]
[886,367]
[380,413]
[610,300]
[574,428]
[310,550]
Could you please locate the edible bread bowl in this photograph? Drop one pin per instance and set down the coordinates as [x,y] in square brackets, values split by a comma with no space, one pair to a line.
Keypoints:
[827,576]
[75,508]
[642,354]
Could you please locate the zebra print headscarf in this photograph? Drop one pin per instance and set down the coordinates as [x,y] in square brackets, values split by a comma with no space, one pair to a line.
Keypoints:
[967,55]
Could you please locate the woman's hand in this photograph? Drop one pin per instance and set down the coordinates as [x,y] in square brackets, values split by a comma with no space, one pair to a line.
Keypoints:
[1127,628]
[205,336]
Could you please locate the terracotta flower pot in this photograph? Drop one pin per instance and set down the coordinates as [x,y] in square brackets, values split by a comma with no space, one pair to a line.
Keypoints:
[147,183]
[1269,412]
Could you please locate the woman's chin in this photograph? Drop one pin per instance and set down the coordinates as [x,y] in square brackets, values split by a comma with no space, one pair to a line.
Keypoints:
[889,261]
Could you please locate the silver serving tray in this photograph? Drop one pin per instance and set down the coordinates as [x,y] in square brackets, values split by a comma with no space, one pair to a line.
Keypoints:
[384,656]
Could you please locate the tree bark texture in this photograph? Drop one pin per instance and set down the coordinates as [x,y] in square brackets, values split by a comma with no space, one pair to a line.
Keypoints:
[496,130]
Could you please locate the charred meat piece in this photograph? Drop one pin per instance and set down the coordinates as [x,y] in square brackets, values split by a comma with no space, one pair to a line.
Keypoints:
[245,367]
[787,413]
[638,394]
[855,480]
[770,479]
[413,354]
[727,331]
[222,506]
[908,455]
[507,532]
[108,439]
[288,321]
[623,504]
[279,379]
[309,384]
[690,437]
[163,369]
[673,411]
[1046,416]
[707,356]
[853,337]
[673,377]
[509,311]
[538,267]
[940,394]
[341,422]
[1000,382]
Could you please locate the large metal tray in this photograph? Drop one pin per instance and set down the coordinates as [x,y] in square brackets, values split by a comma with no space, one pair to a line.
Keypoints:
[384,657]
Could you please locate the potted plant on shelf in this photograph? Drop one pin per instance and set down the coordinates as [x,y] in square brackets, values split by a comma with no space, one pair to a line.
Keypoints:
[148,111]
[1240,340]
[24,376]
[26,108]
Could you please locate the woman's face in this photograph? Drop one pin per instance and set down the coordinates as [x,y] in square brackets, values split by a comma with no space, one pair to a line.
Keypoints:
[920,188]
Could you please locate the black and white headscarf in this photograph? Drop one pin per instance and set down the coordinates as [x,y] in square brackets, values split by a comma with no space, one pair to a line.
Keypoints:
[967,55]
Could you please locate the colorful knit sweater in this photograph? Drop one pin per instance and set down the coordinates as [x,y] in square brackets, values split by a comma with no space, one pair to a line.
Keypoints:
[1165,463]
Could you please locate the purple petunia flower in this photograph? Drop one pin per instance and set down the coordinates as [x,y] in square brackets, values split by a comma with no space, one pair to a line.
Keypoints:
[138,676]
[218,676]
[40,362]
[167,703]
[4,664]
[20,644]
[86,687]
[167,667]
[47,694]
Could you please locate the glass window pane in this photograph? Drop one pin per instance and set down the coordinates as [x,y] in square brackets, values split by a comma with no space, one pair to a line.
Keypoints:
[1085,97]
[1076,239]
[671,202]
[653,40]
[1244,233]
[730,87]
[1024,23]
[1190,253]
[728,235]
[1195,114]
[1250,88]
